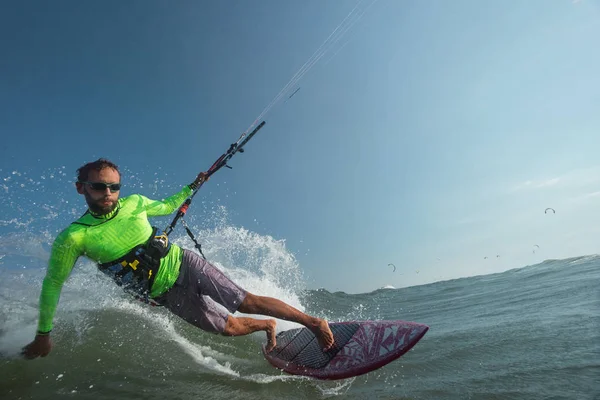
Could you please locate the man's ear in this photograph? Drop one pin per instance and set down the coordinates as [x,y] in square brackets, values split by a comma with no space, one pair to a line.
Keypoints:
[79,187]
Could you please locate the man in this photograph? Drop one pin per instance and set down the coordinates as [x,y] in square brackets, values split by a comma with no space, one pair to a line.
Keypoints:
[116,234]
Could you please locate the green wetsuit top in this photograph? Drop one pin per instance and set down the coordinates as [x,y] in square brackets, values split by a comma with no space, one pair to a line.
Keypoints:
[106,238]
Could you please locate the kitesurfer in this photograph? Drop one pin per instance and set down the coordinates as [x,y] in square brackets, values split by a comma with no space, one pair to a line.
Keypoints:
[116,234]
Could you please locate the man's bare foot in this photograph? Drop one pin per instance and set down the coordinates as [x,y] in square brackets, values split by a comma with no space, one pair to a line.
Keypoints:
[320,328]
[270,329]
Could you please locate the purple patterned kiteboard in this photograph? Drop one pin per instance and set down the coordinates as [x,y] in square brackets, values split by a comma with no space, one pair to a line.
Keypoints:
[360,347]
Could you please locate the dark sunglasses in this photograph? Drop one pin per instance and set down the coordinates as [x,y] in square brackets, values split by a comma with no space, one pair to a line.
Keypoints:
[101,186]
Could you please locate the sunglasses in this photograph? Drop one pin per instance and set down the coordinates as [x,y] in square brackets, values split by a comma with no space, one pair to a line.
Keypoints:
[101,186]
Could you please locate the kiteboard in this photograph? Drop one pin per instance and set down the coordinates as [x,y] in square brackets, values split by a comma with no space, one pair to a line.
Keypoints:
[360,347]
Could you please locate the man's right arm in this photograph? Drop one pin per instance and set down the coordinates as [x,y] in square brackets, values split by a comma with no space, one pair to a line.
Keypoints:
[64,254]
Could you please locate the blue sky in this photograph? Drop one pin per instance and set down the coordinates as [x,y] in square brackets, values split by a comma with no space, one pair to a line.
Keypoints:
[432,135]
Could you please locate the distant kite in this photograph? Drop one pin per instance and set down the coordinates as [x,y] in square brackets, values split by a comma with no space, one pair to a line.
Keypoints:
[535,245]
[551,209]
[392,266]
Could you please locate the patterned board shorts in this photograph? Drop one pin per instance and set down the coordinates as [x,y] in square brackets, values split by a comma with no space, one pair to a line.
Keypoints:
[196,290]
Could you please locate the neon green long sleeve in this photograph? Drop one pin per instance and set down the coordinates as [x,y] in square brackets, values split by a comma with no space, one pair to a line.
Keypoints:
[107,238]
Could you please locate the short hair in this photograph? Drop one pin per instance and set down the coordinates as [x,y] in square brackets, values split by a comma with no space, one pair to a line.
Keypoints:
[98,165]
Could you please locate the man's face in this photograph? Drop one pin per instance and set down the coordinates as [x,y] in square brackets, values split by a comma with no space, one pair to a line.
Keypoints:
[100,201]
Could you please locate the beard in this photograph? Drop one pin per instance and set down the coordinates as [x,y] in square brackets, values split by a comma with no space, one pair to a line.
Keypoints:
[98,207]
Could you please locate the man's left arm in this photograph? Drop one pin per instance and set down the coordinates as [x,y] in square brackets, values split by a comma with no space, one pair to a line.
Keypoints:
[155,208]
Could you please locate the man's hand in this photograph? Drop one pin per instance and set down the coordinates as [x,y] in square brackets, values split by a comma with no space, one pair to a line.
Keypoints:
[200,179]
[40,347]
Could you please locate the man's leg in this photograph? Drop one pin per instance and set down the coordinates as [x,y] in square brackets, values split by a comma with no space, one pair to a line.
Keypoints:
[272,307]
[206,280]
[240,326]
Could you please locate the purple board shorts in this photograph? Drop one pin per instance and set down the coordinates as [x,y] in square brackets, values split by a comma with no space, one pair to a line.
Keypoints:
[196,290]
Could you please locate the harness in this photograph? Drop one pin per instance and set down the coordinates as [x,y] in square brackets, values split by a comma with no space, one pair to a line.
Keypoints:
[137,269]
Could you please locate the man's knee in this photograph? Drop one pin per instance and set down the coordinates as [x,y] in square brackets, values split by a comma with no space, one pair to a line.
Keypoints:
[231,326]
[248,306]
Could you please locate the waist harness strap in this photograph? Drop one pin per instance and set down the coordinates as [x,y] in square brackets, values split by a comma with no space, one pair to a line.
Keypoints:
[137,269]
